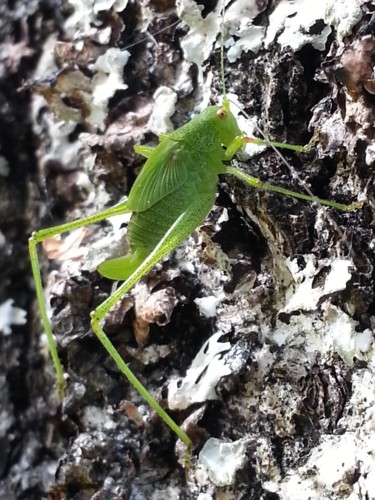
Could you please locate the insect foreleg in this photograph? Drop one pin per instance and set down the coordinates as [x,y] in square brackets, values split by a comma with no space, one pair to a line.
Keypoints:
[177,233]
[38,237]
[144,151]
[238,143]
[279,145]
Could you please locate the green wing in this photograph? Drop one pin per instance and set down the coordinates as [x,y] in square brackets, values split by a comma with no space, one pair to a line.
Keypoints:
[165,170]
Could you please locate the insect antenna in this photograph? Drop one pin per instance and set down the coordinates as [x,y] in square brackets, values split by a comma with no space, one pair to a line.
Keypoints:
[222,71]
[151,35]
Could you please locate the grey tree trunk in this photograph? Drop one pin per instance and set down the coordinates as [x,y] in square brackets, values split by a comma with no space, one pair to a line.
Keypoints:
[279,292]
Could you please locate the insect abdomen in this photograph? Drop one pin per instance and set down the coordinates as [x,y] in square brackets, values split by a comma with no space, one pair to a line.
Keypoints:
[148,227]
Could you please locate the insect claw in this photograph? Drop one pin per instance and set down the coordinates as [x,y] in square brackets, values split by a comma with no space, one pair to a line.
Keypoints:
[60,387]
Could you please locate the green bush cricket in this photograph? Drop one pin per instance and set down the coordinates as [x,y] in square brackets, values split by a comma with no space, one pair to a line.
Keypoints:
[170,198]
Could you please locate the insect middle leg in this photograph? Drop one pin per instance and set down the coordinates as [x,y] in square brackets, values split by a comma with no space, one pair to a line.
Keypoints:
[257,183]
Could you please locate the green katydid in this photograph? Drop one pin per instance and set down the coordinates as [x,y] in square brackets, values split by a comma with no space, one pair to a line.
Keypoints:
[170,198]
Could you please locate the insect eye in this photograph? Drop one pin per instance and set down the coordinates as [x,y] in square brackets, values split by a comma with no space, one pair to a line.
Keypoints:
[221,113]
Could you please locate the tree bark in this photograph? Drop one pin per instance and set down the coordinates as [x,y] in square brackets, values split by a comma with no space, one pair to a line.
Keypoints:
[280,289]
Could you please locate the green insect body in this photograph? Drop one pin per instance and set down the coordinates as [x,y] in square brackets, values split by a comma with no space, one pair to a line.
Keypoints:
[181,172]
[171,197]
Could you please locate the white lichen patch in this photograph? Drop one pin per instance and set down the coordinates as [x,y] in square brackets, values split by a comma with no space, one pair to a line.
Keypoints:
[208,305]
[305,331]
[10,315]
[61,148]
[308,292]
[108,79]
[330,468]
[200,41]
[327,472]
[60,120]
[292,23]
[221,460]
[119,221]
[343,15]
[97,418]
[251,40]
[165,105]
[103,5]
[315,282]
[89,95]
[202,377]
[85,22]
[244,35]
[347,341]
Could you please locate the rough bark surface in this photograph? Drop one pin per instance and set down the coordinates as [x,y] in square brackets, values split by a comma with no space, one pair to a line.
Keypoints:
[282,289]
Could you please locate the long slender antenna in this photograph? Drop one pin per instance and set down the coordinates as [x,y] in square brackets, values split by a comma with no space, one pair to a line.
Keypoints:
[147,38]
[225,100]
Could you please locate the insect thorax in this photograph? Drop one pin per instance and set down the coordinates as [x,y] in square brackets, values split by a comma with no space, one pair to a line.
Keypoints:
[204,133]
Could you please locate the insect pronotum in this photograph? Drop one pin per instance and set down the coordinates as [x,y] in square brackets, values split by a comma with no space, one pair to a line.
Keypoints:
[172,195]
